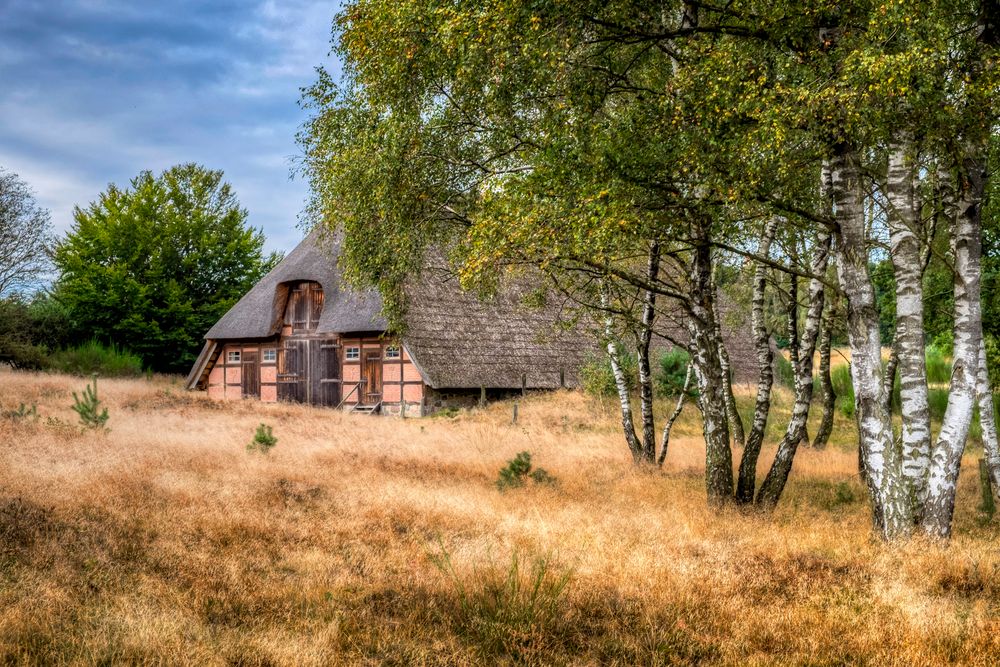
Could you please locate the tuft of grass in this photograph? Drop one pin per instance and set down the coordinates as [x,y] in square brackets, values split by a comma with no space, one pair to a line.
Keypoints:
[517,611]
[95,357]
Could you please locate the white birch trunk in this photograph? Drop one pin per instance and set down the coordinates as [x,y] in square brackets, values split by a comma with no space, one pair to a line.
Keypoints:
[909,347]
[665,441]
[746,485]
[892,512]
[645,374]
[621,383]
[946,454]
[774,484]
[708,372]
[988,419]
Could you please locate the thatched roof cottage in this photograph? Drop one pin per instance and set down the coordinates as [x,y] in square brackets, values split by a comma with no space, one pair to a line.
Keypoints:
[301,334]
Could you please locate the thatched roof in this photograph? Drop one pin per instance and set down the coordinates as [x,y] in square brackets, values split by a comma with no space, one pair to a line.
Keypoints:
[455,339]
[258,314]
[461,341]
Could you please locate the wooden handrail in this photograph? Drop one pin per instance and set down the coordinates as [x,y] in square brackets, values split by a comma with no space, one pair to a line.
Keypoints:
[356,387]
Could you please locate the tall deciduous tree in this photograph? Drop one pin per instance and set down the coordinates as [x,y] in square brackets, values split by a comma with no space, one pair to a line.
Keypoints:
[25,236]
[151,267]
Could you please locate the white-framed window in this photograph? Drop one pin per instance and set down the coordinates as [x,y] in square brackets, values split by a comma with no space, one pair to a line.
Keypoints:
[233,357]
[270,354]
[392,352]
[352,353]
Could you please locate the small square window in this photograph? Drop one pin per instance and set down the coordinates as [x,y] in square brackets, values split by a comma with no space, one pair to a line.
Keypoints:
[270,354]
[392,352]
[233,357]
[352,353]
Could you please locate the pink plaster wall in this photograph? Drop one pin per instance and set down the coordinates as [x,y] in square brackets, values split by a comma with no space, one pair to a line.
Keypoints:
[269,393]
[351,373]
[215,376]
[234,393]
[390,372]
[410,372]
[268,374]
[216,391]
[413,392]
[233,375]
[390,393]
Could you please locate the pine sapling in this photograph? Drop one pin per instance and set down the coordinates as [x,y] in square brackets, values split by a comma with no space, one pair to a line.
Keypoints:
[519,469]
[263,440]
[89,408]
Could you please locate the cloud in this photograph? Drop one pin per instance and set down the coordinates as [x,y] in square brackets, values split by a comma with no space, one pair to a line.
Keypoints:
[96,91]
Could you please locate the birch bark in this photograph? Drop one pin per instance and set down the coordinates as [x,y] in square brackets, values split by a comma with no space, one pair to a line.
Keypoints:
[892,512]
[621,383]
[826,382]
[708,372]
[905,251]
[774,484]
[988,419]
[746,485]
[645,375]
[732,413]
[665,441]
[946,454]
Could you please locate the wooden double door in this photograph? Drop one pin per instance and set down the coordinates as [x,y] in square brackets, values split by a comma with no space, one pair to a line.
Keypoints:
[309,371]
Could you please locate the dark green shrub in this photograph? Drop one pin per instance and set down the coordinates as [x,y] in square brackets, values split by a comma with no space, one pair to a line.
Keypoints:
[597,379]
[519,469]
[94,357]
[22,355]
[671,371]
[263,440]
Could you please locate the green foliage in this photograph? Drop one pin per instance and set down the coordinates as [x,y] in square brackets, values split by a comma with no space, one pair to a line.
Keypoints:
[598,380]
[29,329]
[95,358]
[783,371]
[670,372]
[510,612]
[518,470]
[21,355]
[938,366]
[263,440]
[88,406]
[153,266]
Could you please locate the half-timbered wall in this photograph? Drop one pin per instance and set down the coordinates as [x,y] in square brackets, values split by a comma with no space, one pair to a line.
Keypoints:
[245,370]
[387,366]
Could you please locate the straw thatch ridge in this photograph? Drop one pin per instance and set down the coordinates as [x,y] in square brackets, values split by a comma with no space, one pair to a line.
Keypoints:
[258,314]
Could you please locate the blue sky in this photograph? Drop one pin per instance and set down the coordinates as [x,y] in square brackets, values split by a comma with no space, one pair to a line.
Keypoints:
[95,91]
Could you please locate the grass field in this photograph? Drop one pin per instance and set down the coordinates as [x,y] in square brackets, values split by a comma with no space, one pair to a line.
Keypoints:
[361,540]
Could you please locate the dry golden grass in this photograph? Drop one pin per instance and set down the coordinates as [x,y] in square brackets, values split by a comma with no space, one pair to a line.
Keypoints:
[164,541]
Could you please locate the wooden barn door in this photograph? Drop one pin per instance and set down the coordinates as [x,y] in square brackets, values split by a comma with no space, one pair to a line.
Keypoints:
[372,375]
[324,372]
[250,375]
[293,363]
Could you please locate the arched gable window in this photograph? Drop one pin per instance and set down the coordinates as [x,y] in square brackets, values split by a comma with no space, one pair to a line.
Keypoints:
[305,305]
